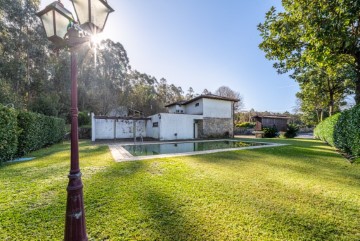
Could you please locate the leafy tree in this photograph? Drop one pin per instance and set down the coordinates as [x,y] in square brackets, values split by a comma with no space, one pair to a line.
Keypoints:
[33,76]
[23,51]
[190,94]
[227,92]
[315,33]
[324,90]
[206,92]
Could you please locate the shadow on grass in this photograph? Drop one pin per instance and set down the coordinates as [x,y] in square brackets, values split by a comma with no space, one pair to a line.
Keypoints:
[169,222]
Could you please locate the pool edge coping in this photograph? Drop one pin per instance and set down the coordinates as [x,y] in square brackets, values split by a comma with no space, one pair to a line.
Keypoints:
[119,153]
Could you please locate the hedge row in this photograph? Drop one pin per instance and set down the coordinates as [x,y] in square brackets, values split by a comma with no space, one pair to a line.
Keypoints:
[347,132]
[8,133]
[22,132]
[325,130]
[342,131]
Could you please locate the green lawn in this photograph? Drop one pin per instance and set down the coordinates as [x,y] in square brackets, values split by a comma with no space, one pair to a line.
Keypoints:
[304,191]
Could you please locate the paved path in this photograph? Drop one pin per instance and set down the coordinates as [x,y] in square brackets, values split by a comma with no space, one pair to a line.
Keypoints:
[305,136]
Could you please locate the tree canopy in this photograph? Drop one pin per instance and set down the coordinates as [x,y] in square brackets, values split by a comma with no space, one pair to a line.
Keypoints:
[318,42]
[35,77]
[228,92]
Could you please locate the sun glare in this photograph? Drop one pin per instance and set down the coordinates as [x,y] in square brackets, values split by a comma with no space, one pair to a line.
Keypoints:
[95,39]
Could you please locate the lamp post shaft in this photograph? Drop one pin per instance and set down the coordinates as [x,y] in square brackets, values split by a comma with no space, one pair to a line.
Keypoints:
[75,228]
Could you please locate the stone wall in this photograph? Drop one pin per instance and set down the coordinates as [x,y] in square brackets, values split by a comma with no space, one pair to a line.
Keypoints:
[216,127]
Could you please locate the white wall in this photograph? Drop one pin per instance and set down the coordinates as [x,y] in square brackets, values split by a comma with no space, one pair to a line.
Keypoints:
[125,128]
[179,109]
[106,129]
[192,109]
[172,109]
[182,125]
[103,129]
[217,108]
[153,132]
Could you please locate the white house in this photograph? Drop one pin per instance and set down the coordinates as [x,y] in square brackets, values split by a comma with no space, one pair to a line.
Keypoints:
[201,117]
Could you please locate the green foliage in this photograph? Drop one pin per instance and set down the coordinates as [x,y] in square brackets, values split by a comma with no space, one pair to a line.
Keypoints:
[8,133]
[291,131]
[325,130]
[84,118]
[270,132]
[342,131]
[246,125]
[347,132]
[315,36]
[37,131]
[46,105]
[33,78]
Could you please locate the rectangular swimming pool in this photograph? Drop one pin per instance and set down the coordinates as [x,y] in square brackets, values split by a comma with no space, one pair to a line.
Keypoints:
[186,147]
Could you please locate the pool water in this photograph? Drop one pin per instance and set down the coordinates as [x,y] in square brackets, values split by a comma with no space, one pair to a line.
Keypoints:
[171,148]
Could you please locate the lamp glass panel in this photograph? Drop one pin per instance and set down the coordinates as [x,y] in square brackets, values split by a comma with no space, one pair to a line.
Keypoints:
[61,24]
[99,13]
[48,22]
[82,10]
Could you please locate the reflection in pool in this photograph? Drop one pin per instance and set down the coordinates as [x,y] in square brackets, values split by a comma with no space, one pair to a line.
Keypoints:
[170,148]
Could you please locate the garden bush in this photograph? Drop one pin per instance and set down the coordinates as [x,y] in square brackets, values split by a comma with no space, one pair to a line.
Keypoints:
[325,129]
[291,131]
[84,118]
[347,132]
[270,132]
[8,133]
[37,131]
[246,125]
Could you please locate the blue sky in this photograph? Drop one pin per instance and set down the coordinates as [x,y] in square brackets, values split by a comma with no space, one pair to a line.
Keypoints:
[202,44]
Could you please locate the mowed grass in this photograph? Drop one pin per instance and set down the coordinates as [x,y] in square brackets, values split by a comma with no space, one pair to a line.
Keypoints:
[303,191]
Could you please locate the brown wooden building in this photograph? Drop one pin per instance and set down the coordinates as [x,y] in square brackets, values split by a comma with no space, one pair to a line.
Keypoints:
[280,122]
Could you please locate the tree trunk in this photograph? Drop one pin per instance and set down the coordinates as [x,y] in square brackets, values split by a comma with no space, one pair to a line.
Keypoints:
[357,89]
[322,115]
[331,104]
[357,83]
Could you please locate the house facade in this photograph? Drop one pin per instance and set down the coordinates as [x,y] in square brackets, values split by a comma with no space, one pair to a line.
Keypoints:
[201,117]
[204,116]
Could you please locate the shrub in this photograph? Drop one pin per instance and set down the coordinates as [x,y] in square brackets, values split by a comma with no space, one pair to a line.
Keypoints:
[270,132]
[37,131]
[8,134]
[246,125]
[291,131]
[325,129]
[347,132]
[84,118]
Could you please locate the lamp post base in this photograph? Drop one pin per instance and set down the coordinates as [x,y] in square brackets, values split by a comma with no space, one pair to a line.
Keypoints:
[75,228]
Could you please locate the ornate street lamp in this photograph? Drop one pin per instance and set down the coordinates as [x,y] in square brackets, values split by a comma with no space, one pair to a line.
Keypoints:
[63,31]
[55,19]
[92,14]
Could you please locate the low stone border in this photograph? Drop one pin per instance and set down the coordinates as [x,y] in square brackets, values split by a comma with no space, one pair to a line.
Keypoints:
[121,155]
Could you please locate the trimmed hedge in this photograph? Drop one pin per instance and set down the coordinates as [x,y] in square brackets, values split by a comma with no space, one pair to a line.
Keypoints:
[325,129]
[342,131]
[347,132]
[8,134]
[22,132]
[37,131]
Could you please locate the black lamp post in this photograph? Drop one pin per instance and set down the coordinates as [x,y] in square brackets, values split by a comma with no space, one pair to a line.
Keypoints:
[63,31]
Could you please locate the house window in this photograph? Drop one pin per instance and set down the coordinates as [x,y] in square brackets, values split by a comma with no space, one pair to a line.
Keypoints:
[197,104]
[177,111]
[156,124]
[182,111]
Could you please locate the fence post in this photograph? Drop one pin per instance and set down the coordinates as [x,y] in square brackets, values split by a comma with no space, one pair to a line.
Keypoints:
[93,126]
